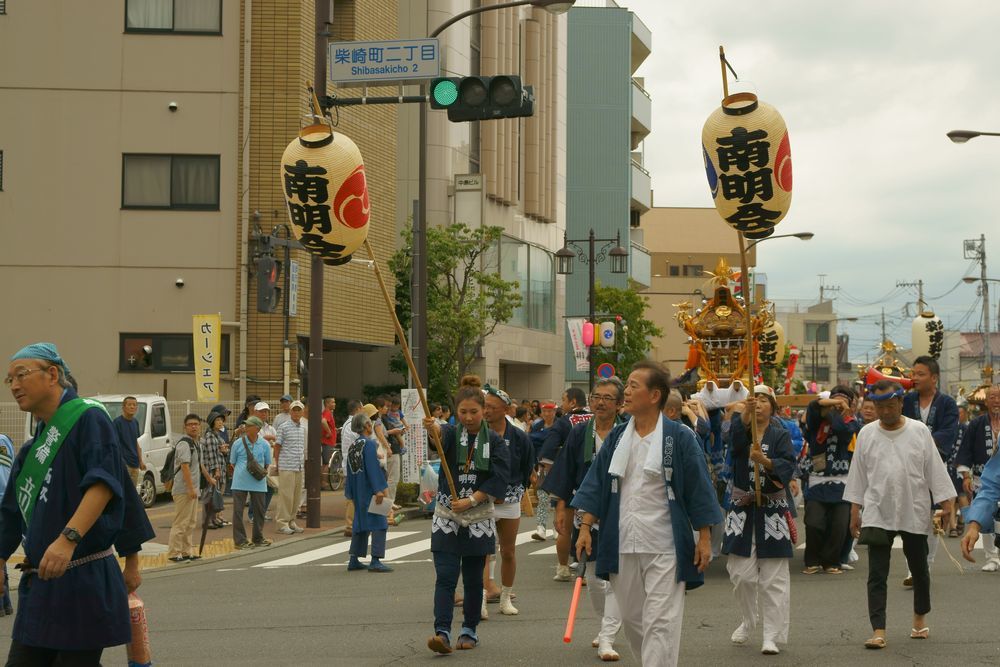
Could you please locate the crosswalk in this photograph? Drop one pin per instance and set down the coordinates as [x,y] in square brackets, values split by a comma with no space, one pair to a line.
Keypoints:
[405,546]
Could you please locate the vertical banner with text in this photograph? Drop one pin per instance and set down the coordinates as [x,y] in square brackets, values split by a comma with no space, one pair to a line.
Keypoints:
[575,327]
[207,353]
[415,437]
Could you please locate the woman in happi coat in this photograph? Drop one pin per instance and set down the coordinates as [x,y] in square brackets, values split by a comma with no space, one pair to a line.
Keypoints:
[365,480]
[463,529]
[507,509]
[758,539]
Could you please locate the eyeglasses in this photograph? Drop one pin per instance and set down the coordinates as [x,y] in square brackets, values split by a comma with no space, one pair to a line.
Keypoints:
[597,398]
[20,375]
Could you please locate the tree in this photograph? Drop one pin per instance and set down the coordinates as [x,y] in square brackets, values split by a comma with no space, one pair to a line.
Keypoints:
[632,340]
[466,299]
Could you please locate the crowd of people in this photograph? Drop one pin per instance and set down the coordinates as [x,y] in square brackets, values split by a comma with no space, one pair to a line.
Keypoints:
[644,486]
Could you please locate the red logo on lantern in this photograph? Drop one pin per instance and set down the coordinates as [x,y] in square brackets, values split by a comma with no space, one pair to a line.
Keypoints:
[783,165]
[351,205]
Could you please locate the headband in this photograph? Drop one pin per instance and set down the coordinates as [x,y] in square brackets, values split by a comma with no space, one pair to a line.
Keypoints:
[499,393]
[896,393]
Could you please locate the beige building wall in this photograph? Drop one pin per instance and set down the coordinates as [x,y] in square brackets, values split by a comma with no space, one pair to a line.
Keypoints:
[523,163]
[79,270]
[817,354]
[683,244]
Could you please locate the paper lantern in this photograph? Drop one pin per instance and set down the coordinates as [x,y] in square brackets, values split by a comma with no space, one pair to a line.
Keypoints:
[607,334]
[771,343]
[928,335]
[323,177]
[748,162]
[588,334]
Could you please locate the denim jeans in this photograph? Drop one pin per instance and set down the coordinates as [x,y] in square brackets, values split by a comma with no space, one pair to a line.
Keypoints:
[359,543]
[448,565]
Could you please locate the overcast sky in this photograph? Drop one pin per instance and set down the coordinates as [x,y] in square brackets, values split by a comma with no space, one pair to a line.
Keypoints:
[868,91]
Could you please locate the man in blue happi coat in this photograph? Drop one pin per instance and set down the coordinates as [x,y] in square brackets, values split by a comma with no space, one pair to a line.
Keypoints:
[649,488]
[72,504]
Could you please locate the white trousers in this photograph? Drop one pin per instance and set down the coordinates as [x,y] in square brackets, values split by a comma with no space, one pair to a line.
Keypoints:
[606,606]
[762,589]
[651,601]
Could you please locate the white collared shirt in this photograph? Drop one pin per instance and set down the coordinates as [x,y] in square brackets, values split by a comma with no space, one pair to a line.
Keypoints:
[644,512]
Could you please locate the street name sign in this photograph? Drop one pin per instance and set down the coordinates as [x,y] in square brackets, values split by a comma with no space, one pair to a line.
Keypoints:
[366,63]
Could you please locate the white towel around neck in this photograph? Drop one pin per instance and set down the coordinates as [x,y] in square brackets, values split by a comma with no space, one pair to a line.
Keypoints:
[654,457]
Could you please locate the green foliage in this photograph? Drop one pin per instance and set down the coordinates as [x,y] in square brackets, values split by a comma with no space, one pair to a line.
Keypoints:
[632,345]
[373,391]
[466,299]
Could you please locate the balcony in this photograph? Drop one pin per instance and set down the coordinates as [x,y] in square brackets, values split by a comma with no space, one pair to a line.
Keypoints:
[642,42]
[639,265]
[642,195]
[642,113]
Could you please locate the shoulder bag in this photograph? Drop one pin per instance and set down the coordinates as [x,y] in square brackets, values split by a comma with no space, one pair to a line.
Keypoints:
[253,467]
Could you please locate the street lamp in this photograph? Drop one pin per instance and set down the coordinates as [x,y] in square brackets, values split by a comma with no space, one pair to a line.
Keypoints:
[802,236]
[962,136]
[418,280]
[612,249]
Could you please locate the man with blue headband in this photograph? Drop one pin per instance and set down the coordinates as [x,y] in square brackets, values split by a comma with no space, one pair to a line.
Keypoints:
[895,475]
[71,503]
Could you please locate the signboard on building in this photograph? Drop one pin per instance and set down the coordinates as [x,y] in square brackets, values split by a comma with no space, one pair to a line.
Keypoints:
[365,63]
[415,437]
[293,288]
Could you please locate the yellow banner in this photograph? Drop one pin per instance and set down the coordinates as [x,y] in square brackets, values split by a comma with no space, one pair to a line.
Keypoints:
[207,355]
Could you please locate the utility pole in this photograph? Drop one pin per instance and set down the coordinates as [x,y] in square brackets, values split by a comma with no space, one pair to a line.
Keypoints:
[883,325]
[976,249]
[825,288]
[919,284]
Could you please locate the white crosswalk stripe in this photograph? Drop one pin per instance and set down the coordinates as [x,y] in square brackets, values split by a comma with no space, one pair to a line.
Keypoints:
[324,552]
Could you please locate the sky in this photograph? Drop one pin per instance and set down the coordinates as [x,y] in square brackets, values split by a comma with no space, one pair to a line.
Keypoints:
[868,91]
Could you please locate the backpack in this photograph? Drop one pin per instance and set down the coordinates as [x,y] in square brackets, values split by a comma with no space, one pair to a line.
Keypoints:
[168,470]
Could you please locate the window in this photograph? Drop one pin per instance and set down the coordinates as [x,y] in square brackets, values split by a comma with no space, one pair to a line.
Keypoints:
[170,181]
[534,270]
[822,374]
[817,332]
[675,270]
[158,422]
[164,353]
[3,6]
[181,16]
[693,270]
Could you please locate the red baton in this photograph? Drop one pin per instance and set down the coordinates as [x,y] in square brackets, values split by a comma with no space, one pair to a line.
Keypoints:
[577,587]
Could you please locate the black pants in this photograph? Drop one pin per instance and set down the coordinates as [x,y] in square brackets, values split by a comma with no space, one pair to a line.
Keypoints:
[826,530]
[915,551]
[33,656]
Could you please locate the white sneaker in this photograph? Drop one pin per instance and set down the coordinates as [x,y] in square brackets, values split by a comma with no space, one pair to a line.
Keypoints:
[741,635]
[562,573]
[539,534]
[846,567]
[507,608]
[606,651]
[992,565]
[295,528]
[769,648]
[285,530]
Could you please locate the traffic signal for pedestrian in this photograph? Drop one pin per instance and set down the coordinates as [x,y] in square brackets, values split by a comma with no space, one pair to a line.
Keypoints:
[482,97]
[268,292]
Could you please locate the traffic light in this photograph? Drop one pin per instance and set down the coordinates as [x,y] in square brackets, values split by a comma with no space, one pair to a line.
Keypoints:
[482,97]
[268,292]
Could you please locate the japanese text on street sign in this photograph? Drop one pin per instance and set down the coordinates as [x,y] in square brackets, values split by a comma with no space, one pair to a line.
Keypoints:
[293,289]
[207,333]
[392,60]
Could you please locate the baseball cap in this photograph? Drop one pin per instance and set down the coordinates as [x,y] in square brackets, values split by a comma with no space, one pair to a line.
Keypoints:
[262,406]
[286,397]
[298,404]
[254,421]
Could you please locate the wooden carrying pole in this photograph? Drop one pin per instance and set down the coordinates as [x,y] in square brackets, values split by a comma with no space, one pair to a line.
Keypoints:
[751,357]
[435,434]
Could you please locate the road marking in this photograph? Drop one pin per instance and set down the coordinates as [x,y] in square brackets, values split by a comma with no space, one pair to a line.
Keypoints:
[544,552]
[231,569]
[395,562]
[323,552]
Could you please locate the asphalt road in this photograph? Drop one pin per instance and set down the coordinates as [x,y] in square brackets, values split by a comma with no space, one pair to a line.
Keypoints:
[295,604]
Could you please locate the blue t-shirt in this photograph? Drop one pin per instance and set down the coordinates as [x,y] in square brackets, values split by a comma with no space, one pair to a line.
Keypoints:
[128,434]
[242,479]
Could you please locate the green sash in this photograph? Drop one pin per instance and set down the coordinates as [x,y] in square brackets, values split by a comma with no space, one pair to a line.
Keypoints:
[481,454]
[43,453]
[588,438]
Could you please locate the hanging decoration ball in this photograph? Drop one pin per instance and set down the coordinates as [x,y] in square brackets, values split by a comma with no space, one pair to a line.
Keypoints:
[607,338]
[771,344]
[928,335]
[588,334]
[323,177]
[748,162]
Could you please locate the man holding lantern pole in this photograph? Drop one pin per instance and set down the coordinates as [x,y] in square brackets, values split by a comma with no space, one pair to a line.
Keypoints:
[650,490]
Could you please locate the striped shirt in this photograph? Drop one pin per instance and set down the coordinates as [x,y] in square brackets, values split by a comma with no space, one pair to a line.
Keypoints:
[292,438]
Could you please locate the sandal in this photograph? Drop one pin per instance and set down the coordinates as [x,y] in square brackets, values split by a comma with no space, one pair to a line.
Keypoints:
[875,643]
[811,569]
[833,570]
[466,643]
[439,644]
[922,633]
[953,532]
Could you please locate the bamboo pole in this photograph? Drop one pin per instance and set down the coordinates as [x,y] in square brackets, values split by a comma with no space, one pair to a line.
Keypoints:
[435,434]
[751,357]
[725,78]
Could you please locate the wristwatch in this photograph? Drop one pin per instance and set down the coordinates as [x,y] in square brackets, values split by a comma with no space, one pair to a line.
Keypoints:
[72,534]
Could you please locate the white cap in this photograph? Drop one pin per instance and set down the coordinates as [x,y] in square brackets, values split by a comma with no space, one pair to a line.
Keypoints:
[262,406]
[297,404]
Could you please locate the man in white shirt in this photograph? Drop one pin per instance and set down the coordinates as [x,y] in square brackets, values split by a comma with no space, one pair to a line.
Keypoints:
[649,487]
[347,438]
[895,475]
[289,457]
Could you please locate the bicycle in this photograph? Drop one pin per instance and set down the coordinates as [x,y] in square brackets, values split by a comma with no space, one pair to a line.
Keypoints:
[336,473]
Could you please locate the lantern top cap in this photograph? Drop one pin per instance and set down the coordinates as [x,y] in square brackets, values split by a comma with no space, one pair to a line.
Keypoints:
[316,135]
[739,104]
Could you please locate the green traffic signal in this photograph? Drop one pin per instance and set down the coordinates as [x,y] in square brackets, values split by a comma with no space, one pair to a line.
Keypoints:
[444,92]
